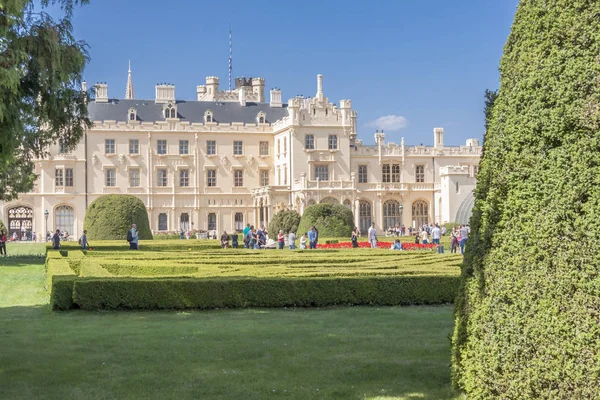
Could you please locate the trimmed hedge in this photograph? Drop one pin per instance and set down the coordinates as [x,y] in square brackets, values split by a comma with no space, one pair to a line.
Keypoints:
[109,217]
[332,220]
[60,279]
[527,317]
[181,293]
[286,221]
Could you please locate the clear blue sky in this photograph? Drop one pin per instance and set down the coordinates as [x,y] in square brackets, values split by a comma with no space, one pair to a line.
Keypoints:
[422,63]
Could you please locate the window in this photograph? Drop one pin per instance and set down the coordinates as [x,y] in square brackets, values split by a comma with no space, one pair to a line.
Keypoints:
[184,222]
[184,177]
[109,146]
[309,142]
[132,114]
[385,173]
[211,177]
[457,188]
[364,213]
[212,221]
[208,116]
[391,214]
[395,172]
[362,174]
[322,172]
[239,222]
[278,146]
[420,213]
[170,112]
[475,170]
[420,173]
[134,177]
[211,147]
[69,177]
[238,149]
[161,176]
[285,145]
[260,118]
[238,178]
[183,147]
[58,177]
[111,177]
[162,222]
[62,149]
[161,146]
[264,148]
[333,142]
[285,174]
[134,146]
[64,218]
[264,177]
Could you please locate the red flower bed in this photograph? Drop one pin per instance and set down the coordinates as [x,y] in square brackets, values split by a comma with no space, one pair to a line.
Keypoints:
[380,245]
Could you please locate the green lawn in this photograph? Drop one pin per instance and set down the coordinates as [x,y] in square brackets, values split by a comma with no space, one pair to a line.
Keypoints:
[338,353]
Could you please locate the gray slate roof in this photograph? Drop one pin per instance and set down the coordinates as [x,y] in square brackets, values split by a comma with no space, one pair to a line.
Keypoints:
[191,111]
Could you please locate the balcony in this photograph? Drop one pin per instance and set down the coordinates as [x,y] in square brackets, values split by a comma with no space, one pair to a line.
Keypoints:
[402,187]
[329,184]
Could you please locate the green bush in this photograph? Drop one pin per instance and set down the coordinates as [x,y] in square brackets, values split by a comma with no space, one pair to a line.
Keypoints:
[182,293]
[3,228]
[286,221]
[527,314]
[332,220]
[109,217]
[60,279]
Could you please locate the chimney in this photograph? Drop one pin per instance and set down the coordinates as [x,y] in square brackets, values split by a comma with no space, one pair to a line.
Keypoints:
[165,93]
[320,87]
[438,137]
[101,92]
[84,86]
[275,98]
[242,96]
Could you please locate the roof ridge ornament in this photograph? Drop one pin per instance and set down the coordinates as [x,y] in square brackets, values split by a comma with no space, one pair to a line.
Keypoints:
[129,95]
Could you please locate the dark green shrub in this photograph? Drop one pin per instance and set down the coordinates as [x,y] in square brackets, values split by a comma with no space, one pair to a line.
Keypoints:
[287,221]
[332,220]
[60,279]
[109,217]
[181,293]
[527,313]
[3,228]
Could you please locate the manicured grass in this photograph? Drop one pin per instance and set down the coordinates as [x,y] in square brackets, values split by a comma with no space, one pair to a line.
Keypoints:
[337,353]
[24,249]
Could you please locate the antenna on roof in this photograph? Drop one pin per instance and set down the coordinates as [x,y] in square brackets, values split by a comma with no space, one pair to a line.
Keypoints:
[230,56]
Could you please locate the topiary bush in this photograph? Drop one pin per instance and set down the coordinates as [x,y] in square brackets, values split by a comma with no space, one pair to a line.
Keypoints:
[109,217]
[526,320]
[332,220]
[287,221]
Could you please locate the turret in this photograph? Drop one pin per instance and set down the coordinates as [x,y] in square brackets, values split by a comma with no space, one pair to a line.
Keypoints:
[258,88]
[201,92]
[212,88]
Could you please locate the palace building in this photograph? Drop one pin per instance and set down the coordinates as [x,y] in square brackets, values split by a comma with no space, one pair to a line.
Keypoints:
[233,157]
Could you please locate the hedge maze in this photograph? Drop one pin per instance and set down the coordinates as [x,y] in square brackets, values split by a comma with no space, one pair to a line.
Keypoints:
[191,274]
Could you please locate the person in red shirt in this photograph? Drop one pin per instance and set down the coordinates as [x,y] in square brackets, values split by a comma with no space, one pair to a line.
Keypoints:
[2,243]
[281,240]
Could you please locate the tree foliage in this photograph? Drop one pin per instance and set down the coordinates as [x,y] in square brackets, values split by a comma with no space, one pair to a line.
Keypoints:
[527,313]
[286,221]
[332,220]
[109,217]
[41,101]
[490,99]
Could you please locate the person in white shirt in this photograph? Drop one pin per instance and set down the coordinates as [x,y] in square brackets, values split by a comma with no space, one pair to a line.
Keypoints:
[464,234]
[372,236]
[435,235]
[424,237]
[292,240]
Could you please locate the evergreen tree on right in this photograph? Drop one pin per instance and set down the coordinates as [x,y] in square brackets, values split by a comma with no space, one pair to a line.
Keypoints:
[527,319]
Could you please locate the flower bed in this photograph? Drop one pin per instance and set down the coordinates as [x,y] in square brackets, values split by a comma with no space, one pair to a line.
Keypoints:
[381,245]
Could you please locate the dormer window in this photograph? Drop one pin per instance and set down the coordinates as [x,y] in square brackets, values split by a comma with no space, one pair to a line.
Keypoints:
[132,114]
[261,118]
[208,116]
[170,111]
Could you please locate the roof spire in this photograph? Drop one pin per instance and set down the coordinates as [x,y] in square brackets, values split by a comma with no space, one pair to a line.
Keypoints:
[129,90]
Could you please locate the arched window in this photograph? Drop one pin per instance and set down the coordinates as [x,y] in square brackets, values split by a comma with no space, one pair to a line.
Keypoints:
[364,216]
[212,221]
[132,114]
[420,213]
[173,113]
[162,222]
[391,214]
[348,204]
[20,221]
[261,118]
[184,222]
[64,218]
[208,116]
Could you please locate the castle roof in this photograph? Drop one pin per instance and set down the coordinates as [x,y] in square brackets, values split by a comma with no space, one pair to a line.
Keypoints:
[191,111]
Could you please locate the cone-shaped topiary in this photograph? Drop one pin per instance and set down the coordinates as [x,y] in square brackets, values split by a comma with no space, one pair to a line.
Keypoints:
[527,317]
[286,221]
[109,217]
[331,220]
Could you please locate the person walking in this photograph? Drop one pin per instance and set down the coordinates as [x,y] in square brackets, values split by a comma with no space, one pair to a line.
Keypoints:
[224,240]
[312,238]
[372,234]
[464,235]
[133,243]
[83,241]
[435,235]
[234,240]
[354,237]
[292,241]
[56,240]
[246,237]
[454,241]
[3,243]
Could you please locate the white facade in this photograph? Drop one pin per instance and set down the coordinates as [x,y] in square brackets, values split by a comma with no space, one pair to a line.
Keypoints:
[234,157]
